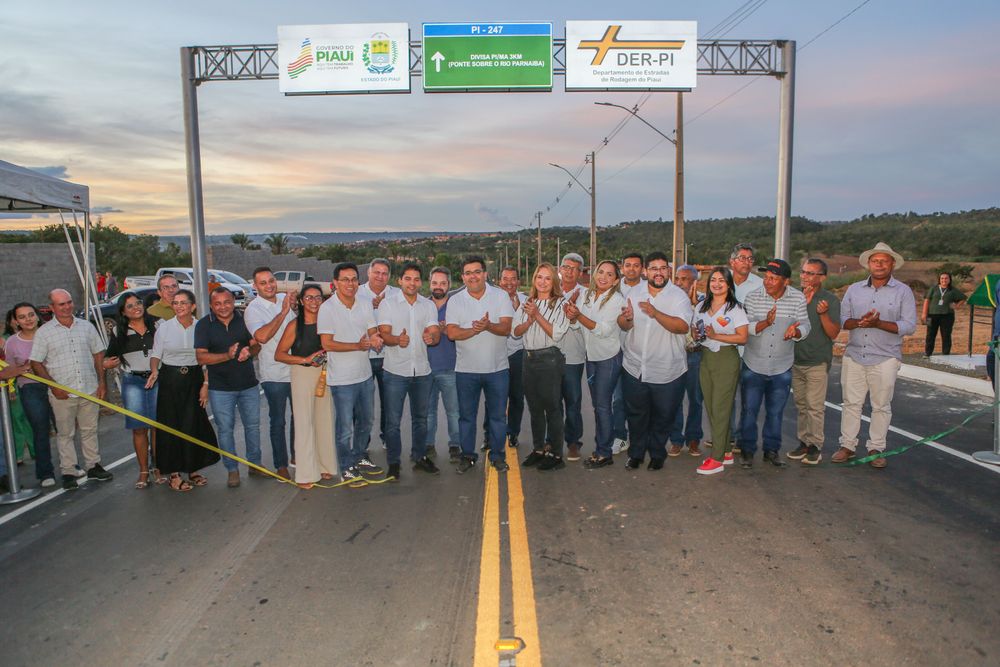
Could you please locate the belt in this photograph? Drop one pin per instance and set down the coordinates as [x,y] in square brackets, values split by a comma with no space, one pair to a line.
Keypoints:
[183,370]
[141,374]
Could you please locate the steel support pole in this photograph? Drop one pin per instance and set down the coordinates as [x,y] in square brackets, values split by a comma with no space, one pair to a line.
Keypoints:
[16,494]
[994,456]
[538,258]
[786,123]
[593,214]
[678,249]
[196,200]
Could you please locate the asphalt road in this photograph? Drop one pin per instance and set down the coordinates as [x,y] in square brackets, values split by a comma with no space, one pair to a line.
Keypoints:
[802,565]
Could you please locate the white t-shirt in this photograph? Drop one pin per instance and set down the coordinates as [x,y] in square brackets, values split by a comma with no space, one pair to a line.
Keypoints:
[347,325]
[752,282]
[604,340]
[485,352]
[367,293]
[572,345]
[626,289]
[259,313]
[399,314]
[722,322]
[653,354]
[513,342]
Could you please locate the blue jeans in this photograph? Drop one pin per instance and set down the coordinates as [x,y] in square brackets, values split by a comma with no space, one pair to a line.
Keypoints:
[619,426]
[772,391]
[34,399]
[224,406]
[443,384]
[681,432]
[354,406]
[515,396]
[377,372]
[397,388]
[651,409]
[278,395]
[572,392]
[494,386]
[602,377]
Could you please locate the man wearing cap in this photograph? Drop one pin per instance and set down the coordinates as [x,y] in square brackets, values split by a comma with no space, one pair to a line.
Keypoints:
[778,318]
[878,312]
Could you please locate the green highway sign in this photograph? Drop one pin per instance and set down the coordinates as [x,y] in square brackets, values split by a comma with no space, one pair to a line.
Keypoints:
[487,56]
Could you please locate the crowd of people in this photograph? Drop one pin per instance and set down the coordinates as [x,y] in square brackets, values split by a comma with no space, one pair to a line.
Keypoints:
[641,336]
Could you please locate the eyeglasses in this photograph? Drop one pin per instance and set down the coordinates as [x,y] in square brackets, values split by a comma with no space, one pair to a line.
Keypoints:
[135,305]
[568,267]
[477,272]
[811,273]
[313,297]
[657,269]
[743,258]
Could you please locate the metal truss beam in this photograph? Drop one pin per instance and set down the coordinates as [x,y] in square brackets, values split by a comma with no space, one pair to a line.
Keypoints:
[247,62]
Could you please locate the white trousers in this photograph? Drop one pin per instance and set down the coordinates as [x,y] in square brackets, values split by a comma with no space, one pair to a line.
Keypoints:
[878,383]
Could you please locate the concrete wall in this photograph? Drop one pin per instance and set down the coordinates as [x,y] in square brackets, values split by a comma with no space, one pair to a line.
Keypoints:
[29,271]
[243,262]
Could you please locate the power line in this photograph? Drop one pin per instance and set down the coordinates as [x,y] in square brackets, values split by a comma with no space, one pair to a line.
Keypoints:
[736,18]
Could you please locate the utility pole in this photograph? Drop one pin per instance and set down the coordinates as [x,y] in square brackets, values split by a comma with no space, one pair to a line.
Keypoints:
[679,185]
[519,250]
[593,213]
[558,250]
[538,259]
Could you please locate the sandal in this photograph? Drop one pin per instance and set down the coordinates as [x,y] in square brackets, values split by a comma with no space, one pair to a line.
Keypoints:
[325,476]
[305,485]
[197,479]
[157,477]
[142,482]
[181,484]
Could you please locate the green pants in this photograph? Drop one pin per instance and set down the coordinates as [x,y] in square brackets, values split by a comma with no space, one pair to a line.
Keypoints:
[720,374]
[22,429]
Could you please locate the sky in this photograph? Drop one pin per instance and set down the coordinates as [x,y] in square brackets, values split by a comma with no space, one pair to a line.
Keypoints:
[895,110]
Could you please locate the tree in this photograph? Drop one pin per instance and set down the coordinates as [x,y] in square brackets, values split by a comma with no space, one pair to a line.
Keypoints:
[278,243]
[242,240]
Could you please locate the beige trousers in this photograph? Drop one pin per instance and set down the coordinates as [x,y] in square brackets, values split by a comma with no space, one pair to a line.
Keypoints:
[314,450]
[878,382]
[71,415]
[809,392]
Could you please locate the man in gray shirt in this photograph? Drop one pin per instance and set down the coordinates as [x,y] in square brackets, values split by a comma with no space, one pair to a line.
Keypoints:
[778,318]
[878,312]
[813,355]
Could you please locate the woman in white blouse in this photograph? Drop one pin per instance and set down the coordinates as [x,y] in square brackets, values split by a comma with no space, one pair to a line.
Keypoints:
[182,398]
[598,315]
[541,323]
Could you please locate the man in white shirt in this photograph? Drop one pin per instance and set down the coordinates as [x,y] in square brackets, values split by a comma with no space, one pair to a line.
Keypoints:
[479,320]
[632,266]
[408,323]
[347,329]
[266,318]
[657,318]
[510,281]
[375,291]
[575,350]
[68,351]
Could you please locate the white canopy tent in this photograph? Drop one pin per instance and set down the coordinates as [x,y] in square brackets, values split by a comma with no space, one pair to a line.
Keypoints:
[23,190]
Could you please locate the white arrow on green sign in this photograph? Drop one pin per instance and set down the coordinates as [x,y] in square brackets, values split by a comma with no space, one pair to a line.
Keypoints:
[487,56]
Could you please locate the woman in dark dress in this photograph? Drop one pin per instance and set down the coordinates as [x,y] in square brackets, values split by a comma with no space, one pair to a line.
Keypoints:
[183,395]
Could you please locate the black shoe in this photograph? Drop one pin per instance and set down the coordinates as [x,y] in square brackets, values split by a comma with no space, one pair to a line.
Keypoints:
[512,440]
[500,465]
[595,462]
[393,472]
[655,464]
[551,462]
[454,453]
[533,458]
[426,465]
[633,464]
[99,473]
[799,452]
[69,483]
[746,459]
[465,464]
[813,456]
[774,459]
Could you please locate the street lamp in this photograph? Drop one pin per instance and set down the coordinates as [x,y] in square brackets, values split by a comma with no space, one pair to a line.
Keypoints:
[593,205]
[678,237]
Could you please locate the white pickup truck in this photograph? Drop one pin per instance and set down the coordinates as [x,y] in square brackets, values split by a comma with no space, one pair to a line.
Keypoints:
[241,288]
[294,280]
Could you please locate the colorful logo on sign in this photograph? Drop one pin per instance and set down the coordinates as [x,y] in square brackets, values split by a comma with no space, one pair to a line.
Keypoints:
[303,62]
[610,41]
[380,54]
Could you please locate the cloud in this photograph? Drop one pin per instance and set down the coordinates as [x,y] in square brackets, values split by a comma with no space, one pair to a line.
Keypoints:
[105,209]
[492,216]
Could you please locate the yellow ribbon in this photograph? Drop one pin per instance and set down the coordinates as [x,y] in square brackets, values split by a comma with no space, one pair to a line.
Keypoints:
[184,436]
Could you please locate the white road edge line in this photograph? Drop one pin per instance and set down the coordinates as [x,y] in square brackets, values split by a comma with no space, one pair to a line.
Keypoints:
[929,443]
[55,494]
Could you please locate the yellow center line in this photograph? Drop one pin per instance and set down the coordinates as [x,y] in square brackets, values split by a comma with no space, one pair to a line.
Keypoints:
[525,615]
[488,612]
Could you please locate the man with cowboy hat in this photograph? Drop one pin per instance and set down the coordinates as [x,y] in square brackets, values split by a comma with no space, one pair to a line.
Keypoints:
[878,312]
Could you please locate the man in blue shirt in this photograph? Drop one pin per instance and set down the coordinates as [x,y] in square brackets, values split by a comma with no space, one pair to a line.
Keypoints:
[878,312]
[442,359]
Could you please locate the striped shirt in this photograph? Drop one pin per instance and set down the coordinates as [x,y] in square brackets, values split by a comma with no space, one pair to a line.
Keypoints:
[535,337]
[767,352]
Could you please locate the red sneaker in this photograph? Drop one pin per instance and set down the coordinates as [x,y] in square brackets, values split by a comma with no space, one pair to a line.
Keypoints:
[710,466]
[728,459]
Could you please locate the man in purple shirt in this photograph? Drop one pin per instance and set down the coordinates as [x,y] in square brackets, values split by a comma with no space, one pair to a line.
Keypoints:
[878,312]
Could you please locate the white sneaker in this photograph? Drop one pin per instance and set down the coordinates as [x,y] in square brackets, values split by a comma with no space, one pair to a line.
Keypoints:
[48,482]
[79,472]
[619,446]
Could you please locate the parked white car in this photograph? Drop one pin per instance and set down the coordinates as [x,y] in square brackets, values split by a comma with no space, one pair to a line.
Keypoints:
[240,287]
